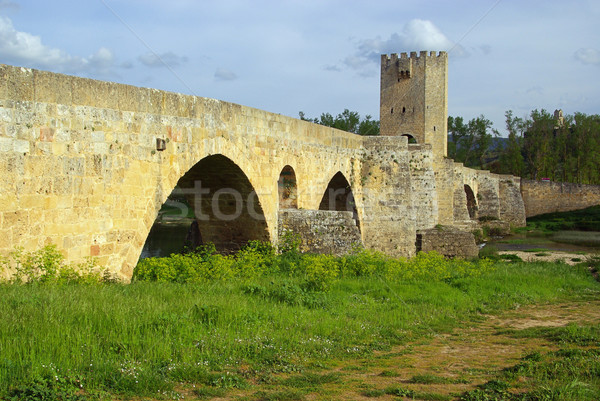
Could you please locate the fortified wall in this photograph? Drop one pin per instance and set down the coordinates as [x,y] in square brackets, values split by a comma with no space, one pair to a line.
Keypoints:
[542,197]
[86,165]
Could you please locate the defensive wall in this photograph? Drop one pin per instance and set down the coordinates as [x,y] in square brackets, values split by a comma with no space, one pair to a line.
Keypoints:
[86,165]
[548,197]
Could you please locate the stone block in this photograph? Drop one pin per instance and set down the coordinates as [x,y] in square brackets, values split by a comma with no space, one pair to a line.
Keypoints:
[52,88]
[447,241]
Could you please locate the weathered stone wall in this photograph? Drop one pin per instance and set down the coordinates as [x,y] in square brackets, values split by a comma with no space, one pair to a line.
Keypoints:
[423,185]
[447,241]
[444,180]
[542,197]
[512,207]
[321,231]
[389,221]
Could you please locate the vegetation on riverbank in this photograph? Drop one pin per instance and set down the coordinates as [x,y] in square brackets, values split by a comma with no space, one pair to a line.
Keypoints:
[587,219]
[259,323]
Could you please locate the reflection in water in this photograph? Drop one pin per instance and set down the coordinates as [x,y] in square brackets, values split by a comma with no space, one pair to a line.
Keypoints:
[166,237]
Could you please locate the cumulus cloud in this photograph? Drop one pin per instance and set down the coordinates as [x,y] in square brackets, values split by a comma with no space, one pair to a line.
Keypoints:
[416,35]
[24,48]
[588,56]
[168,59]
[222,74]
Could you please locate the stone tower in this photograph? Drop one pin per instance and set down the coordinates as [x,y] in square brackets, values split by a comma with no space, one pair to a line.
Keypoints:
[414,98]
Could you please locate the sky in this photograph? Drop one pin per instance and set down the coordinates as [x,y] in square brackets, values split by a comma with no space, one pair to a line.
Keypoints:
[319,56]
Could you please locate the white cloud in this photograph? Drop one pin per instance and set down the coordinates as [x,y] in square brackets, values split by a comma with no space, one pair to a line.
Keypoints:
[27,49]
[588,56]
[222,74]
[168,59]
[417,35]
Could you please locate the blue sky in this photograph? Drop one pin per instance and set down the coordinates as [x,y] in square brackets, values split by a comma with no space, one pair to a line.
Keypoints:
[318,56]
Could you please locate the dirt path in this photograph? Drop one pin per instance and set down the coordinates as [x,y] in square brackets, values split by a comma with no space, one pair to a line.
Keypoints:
[446,365]
[470,356]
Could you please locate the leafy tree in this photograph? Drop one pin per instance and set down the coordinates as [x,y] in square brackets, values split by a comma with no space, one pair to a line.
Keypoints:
[511,158]
[539,155]
[471,142]
[457,130]
[347,121]
[566,149]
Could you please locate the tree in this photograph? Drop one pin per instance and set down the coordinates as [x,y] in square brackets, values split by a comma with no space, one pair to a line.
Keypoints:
[538,149]
[471,142]
[511,158]
[541,145]
[347,121]
[458,131]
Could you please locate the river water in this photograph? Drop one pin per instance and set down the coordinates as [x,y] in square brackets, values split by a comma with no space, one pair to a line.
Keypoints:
[165,238]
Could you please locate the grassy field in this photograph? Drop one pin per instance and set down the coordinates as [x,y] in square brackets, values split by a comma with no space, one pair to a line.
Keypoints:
[260,326]
[580,220]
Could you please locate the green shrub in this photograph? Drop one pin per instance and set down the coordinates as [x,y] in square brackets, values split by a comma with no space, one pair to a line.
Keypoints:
[489,251]
[47,265]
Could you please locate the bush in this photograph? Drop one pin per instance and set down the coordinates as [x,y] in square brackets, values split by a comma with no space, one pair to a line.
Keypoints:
[47,265]
[316,272]
[489,251]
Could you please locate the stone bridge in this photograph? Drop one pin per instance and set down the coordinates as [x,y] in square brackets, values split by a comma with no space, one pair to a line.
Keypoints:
[87,165]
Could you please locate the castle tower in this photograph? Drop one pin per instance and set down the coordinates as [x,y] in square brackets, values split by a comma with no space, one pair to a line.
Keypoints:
[414,98]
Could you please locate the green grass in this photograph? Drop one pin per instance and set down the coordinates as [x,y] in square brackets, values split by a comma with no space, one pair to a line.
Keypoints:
[88,340]
[571,373]
[433,379]
[535,250]
[583,220]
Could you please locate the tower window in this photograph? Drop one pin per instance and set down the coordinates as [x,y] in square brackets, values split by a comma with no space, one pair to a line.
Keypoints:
[404,109]
[392,112]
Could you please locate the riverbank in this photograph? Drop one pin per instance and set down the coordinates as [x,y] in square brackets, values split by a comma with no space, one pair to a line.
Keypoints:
[543,255]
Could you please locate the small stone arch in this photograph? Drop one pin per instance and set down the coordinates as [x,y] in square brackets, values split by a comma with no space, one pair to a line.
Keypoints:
[411,139]
[471,202]
[287,188]
[338,196]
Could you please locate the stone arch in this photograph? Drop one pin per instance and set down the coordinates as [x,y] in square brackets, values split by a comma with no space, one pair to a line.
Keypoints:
[287,188]
[411,139]
[471,202]
[225,208]
[338,196]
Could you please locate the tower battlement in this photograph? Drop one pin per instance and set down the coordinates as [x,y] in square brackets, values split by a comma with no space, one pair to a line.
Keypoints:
[393,57]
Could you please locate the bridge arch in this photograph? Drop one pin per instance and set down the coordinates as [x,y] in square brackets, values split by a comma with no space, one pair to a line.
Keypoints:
[225,207]
[338,196]
[471,202]
[287,188]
